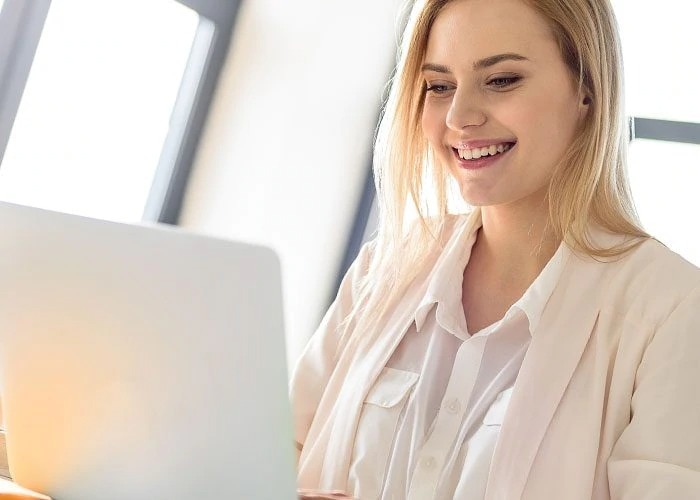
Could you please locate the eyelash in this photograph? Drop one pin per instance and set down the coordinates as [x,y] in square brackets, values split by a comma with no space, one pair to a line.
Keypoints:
[510,80]
[437,89]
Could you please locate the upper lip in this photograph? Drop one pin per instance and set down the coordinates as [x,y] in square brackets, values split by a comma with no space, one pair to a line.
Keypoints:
[481,143]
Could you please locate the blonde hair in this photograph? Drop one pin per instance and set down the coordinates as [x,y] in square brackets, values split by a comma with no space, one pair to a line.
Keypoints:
[589,186]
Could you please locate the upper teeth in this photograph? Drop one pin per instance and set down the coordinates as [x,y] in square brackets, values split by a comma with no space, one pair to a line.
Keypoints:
[475,153]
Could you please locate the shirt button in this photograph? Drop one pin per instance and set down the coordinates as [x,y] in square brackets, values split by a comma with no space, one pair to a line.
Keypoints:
[454,406]
[429,463]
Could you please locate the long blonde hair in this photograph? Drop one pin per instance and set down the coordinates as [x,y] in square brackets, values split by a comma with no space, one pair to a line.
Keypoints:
[589,186]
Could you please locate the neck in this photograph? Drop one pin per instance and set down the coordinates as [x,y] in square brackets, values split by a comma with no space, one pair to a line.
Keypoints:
[515,242]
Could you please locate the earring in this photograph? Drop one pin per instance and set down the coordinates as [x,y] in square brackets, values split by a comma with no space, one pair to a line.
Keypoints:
[587,100]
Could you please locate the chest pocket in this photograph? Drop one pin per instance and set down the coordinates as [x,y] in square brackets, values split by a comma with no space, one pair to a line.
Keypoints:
[376,430]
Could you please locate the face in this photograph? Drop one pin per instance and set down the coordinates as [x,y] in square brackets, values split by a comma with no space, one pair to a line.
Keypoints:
[501,106]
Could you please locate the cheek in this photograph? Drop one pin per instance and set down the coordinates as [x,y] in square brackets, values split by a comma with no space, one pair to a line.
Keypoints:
[558,131]
[543,126]
[433,125]
[557,118]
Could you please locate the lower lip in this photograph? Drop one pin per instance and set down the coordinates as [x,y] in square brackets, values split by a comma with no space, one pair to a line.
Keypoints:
[484,161]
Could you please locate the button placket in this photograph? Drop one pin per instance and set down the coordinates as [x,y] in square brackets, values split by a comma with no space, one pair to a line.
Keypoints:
[448,421]
[425,478]
[454,406]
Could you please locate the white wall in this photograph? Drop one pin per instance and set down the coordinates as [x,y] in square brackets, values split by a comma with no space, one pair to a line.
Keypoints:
[288,141]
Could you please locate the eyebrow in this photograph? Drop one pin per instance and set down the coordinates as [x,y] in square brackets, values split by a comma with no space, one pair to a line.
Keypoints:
[480,64]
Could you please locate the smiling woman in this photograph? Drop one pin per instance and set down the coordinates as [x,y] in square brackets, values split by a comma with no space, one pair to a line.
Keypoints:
[482,103]
[529,347]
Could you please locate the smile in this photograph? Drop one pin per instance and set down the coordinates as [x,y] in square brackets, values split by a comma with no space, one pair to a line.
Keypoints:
[476,153]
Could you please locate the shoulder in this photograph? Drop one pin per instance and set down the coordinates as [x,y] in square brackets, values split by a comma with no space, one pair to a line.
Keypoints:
[663,264]
[652,264]
[652,281]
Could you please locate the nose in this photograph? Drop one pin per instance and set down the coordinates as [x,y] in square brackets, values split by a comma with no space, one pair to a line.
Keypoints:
[465,111]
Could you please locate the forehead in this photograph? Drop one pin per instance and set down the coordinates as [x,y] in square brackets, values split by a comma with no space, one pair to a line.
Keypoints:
[468,30]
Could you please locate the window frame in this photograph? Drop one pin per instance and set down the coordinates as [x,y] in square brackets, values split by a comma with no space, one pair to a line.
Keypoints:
[21,27]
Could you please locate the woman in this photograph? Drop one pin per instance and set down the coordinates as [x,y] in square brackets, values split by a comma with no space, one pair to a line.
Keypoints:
[542,346]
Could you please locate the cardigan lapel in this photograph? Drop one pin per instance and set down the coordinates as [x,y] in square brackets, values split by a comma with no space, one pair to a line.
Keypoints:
[555,350]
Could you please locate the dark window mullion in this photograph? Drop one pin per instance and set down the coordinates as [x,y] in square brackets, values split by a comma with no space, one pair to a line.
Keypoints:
[206,60]
[665,130]
[219,11]
[21,25]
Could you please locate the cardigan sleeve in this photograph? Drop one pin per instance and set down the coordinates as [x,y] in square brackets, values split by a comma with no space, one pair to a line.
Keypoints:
[316,363]
[658,454]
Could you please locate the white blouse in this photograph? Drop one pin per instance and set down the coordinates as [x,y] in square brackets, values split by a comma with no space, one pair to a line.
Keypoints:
[430,423]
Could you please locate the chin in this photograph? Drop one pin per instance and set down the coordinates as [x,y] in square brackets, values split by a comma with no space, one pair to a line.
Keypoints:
[481,199]
[526,202]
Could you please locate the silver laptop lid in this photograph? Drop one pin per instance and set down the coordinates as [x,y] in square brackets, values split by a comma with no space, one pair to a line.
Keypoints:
[141,362]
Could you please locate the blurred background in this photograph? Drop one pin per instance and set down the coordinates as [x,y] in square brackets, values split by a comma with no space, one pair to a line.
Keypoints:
[254,120]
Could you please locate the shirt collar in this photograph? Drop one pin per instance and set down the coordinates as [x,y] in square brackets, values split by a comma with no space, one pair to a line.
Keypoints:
[444,289]
[535,298]
[445,282]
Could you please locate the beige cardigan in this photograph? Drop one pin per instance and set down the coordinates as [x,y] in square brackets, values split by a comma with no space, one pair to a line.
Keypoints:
[606,404]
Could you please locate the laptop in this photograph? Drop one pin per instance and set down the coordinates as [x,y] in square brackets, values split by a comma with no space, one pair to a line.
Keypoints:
[141,362]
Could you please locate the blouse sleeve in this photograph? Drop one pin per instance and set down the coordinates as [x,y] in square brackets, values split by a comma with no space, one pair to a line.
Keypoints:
[316,364]
[658,454]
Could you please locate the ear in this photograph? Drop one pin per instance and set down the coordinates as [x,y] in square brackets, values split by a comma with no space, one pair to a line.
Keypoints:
[584,106]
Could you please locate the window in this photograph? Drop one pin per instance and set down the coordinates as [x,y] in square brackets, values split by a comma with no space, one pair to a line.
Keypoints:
[665,174]
[665,178]
[106,121]
[659,45]
[95,111]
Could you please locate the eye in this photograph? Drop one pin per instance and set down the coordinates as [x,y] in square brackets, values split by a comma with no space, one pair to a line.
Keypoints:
[437,89]
[503,81]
